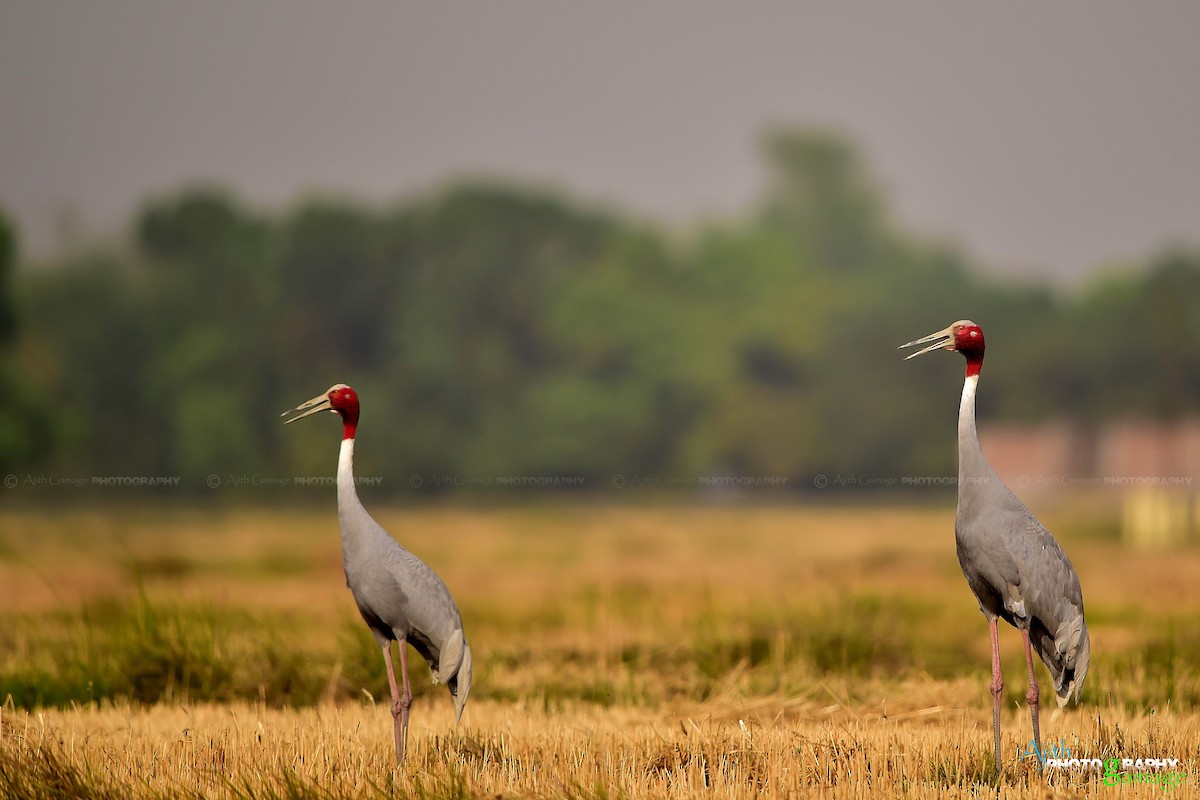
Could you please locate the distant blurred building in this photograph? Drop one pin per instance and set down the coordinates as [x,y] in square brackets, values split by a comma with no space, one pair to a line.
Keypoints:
[1151,467]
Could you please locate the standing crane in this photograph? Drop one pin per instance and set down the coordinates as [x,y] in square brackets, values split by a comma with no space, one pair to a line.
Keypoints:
[1014,566]
[399,596]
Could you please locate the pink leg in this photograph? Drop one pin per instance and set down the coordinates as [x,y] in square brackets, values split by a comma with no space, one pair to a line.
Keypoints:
[997,687]
[401,702]
[1033,694]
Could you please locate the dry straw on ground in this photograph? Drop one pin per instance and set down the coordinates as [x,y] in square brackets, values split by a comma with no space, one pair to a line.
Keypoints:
[721,749]
[642,652]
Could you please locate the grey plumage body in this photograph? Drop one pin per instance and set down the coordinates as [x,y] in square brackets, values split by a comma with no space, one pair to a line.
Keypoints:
[1016,569]
[399,596]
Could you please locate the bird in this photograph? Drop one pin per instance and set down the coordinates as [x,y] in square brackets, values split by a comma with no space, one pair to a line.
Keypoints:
[400,598]
[1014,566]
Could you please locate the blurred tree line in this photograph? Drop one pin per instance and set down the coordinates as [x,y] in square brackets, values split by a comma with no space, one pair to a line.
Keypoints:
[498,330]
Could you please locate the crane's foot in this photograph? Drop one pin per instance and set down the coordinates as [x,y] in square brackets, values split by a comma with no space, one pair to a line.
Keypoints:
[1032,698]
[401,735]
[996,726]
[400,709]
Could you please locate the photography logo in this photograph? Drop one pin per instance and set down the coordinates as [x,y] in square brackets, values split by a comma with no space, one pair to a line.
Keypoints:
[1163,772]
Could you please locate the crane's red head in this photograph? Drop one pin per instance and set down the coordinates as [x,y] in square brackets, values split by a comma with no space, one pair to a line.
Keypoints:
[964,336]
[340,399]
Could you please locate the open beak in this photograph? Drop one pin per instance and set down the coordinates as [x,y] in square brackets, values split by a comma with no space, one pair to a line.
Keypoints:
[318,403]
[942,340]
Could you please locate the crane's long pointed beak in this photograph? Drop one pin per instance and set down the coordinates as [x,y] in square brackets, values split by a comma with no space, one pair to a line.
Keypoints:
[940,340]
[309,407]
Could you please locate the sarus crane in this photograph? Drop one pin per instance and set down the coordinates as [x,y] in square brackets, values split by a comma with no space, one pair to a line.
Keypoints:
[1016,569]
[399,596]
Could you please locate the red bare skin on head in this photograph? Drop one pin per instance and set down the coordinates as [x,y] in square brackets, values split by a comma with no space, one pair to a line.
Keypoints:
[345,402]
[968,340]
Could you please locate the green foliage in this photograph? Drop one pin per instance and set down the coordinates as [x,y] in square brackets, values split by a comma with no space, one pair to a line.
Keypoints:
[148,653]
[25,433]
[495,330]
[8,260]
[1160,669]
[821,195]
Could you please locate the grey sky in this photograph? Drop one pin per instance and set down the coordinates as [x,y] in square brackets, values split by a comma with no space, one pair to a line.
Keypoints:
[1048,135]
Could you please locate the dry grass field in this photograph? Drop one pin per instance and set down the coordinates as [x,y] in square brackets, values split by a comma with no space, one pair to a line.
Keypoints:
[686,651]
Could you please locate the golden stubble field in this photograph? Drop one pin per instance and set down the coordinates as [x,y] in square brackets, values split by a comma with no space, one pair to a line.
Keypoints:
[620,651]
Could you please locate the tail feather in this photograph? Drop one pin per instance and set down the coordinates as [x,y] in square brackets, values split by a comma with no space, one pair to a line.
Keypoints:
[460,684]
[1066,654]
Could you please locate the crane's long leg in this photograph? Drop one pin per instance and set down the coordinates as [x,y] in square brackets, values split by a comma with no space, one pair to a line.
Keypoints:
[401,702]
[997,687]
[1032,696]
